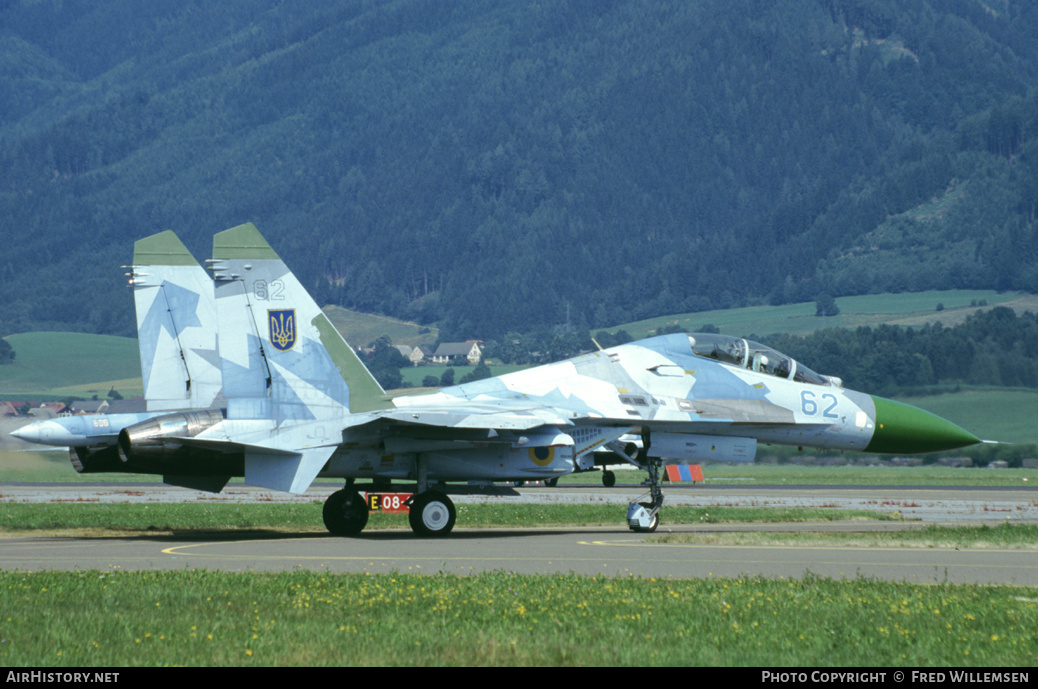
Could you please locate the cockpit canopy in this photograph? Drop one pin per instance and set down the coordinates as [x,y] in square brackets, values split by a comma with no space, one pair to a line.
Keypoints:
[755,357]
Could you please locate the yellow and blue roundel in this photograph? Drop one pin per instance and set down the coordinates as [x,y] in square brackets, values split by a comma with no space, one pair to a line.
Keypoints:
[282,328]
[542,456]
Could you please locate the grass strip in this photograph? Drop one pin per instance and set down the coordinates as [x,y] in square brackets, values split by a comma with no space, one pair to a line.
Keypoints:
[1004,535]
[195,618]
[211,517]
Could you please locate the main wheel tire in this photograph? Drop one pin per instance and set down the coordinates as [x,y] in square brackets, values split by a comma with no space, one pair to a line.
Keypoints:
[345,513]
[608,479]
[432,514]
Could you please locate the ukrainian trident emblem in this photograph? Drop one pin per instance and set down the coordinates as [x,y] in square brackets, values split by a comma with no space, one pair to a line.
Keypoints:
[282,328]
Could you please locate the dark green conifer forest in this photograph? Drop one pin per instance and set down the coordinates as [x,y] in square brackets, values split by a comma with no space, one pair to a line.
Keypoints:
[507,165]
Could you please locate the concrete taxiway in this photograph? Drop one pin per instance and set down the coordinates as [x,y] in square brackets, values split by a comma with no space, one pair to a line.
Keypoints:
[611,551]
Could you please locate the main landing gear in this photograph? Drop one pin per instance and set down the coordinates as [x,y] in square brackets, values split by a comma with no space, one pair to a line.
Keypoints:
[432,513]
[345,513]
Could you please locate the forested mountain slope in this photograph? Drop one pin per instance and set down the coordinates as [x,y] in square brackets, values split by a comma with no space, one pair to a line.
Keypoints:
[498,165]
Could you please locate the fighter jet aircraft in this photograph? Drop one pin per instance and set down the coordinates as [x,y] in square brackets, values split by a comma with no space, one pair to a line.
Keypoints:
[278,397]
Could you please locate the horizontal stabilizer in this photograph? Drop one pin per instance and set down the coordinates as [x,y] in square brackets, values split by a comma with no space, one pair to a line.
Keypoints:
[289,474]
[268,466]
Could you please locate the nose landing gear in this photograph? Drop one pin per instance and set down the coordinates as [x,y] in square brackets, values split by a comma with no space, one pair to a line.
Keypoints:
[644,517]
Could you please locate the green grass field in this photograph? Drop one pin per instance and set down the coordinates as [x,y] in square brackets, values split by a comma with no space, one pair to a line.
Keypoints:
[209,518]
[914,308]
[65,364]
[995,414]
[361,329]
[203,618]
[307,619]
[59,364]
[414,375]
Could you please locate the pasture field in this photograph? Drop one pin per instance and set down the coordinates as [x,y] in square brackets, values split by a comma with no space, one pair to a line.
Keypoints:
[999,414]
[909,308]
[53,466]
[413,375]
[202,618]
[361,329]
[64,364]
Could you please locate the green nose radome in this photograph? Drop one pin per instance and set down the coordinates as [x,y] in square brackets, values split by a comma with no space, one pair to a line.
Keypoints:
[904,429]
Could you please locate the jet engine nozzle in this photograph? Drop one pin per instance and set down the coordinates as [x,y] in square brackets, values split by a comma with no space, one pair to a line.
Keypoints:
[154,441]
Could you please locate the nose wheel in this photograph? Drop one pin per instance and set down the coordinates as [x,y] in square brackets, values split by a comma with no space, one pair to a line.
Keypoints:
[644,517]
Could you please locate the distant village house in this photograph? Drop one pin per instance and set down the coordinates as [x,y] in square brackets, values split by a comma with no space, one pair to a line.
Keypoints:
[449,352]
[80,407]
[446,353]
[420,354]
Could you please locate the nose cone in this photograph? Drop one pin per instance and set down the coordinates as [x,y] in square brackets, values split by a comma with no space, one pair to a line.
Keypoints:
[904,429]
[23,434]
[47,432]
[30,433]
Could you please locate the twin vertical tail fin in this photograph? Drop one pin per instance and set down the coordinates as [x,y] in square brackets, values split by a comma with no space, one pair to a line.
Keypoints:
[176,325]
[281,358]
[250,338]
